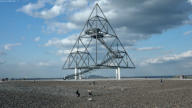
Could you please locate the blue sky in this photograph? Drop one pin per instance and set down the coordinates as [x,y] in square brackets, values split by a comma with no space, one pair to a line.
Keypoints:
[35,35]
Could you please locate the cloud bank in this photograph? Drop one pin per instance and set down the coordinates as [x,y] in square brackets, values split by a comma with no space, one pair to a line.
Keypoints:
[171,58]
[133,20]
[10,46]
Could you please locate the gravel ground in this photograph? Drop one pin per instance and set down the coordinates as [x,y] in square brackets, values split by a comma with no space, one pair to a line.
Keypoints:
[107,94]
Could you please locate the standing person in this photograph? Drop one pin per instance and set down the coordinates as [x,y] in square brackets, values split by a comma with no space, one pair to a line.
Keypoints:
[90,94]
[161,81]
[77,93]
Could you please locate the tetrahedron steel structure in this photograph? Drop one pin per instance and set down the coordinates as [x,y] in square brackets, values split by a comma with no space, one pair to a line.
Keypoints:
[97,47]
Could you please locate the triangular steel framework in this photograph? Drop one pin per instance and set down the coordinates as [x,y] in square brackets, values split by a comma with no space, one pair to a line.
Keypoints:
[97,47]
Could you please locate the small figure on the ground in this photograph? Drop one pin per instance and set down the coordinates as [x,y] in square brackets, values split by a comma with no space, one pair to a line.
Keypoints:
[77,93]
[161,81]
[90,95]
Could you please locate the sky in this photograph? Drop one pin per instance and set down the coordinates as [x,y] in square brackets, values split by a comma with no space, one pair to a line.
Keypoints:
[36,35]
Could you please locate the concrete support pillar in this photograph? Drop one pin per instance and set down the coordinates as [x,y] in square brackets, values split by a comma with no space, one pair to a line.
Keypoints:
[75,73]
[118,74]
[79,74]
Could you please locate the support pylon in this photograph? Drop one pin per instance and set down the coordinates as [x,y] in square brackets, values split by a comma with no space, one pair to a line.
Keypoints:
[118,73]
[75,73]
[79,75]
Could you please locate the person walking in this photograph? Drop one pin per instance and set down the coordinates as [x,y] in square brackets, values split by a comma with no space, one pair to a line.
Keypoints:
[90,95]
[77,93]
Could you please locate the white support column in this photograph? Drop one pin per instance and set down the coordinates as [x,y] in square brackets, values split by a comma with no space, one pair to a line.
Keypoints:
[79,74]
[75,73]
[116,74]
[119,73]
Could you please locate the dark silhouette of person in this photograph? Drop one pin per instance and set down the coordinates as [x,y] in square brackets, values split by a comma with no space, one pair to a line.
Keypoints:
[90,93]
[77,93]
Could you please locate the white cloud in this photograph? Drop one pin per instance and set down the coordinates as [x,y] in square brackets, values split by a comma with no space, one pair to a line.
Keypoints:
[49,9]
[62,52]
[10,46]
[190,1]
[39,9]
[37,39]
[188,65]
[147,48]
[67,51]
[31,7]
[63,59]
[129,38]
[188,32]
[60,27]
[51,13]
[79,3]
[44,64]
[22,63]
[164,59]
[69,41]
[81,16]
[142,18]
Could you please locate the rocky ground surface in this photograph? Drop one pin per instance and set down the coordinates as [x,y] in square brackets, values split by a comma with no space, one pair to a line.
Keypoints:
[106,94]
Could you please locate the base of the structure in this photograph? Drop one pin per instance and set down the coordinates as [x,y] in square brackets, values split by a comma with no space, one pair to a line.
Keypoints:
[79,75]
[118,75]
[75,73]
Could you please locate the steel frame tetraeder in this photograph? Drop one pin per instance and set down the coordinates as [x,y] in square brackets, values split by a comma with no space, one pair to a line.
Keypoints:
[97,47]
